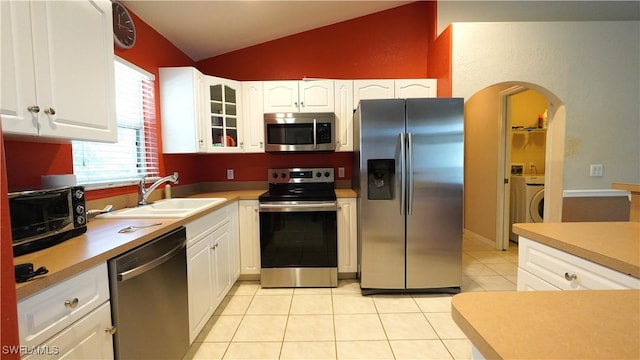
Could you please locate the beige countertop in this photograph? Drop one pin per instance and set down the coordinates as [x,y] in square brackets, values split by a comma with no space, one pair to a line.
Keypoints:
[615,245]
[593,324]
[102,242]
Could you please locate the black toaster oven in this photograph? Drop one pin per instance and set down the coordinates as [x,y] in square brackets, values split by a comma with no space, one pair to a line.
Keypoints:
[43,218]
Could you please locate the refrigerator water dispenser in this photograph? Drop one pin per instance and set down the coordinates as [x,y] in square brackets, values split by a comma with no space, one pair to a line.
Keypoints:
[380,173]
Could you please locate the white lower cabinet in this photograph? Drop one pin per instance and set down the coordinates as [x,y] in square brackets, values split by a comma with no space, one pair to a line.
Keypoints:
[347,236]
[69,319]
[88,338]
[248,217]
[541,267]
[212,263]
[200,284]
[221,248]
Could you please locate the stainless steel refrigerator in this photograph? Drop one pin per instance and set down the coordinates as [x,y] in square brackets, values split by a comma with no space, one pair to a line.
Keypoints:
[408,172]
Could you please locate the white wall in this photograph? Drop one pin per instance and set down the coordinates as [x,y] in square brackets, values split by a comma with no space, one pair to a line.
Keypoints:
[450,11]
[590,70]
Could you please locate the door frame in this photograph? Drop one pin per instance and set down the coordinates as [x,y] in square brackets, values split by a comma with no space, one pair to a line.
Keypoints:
[504,167]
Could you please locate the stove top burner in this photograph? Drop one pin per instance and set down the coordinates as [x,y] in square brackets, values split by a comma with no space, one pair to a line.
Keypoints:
[300,184]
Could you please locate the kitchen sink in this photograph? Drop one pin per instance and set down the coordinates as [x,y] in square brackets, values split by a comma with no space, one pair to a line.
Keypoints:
[167,208]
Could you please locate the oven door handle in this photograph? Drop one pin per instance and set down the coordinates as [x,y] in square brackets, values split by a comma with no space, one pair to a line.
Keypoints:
[295,206]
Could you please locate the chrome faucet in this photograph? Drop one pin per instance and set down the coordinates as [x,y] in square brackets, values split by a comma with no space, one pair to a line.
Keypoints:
[143,194]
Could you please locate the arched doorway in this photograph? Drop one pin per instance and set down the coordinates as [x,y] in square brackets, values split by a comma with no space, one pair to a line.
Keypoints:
[487,162]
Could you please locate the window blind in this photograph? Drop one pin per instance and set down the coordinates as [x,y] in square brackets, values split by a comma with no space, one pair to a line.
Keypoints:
[98,165]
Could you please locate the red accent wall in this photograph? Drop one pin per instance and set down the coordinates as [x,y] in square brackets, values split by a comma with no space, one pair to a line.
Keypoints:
[8,305]
[387,44]
[27,161]
[440,62]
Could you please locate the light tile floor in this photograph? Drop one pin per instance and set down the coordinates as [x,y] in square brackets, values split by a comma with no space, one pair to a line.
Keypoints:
[340,323]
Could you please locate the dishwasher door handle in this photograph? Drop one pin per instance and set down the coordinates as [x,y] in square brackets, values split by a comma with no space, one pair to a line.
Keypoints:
[129,274]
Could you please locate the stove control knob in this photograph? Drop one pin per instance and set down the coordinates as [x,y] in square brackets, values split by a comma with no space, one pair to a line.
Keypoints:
[326,174]
[274,175]
[318,174]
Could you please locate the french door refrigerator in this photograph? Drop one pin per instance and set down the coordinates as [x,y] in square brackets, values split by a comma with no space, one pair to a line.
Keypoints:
[408,173]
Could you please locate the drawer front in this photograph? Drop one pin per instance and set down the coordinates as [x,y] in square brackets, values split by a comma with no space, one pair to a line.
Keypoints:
[570,272]
[529,282]
[48,312]
[206,223]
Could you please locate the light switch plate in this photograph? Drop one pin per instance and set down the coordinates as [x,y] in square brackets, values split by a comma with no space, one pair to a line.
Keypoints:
[595,170]
[229,174]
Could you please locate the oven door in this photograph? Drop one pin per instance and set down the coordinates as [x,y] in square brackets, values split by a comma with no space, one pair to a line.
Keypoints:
[297,234]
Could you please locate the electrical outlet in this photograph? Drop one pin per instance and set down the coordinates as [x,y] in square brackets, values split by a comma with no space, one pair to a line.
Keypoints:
[340,172]
[595,170]
[229,174]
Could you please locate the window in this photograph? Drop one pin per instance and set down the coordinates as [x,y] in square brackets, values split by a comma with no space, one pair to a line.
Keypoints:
[99,165]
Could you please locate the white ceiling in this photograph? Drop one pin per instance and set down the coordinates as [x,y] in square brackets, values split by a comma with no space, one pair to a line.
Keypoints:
[202,29]
[206,28]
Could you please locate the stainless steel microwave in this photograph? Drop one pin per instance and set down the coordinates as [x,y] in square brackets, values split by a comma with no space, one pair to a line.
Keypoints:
[299,132]
[43,218]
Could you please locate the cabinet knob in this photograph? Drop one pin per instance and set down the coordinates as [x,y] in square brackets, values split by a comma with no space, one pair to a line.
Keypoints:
[34,109]
[302,103]
[71,304]
[50,111]
[570,277]
[214,246]
[111,330]
[295,103]
[261,144]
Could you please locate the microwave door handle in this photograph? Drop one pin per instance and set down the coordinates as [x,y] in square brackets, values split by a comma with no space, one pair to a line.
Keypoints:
[315,129]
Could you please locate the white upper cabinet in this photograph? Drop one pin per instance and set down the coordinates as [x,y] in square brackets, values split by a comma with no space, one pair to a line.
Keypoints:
[415,88]
[393,89]
[344,115]
[182,110]
[372,89]
[57,70]
[199,113]
[223,122]
[253,117]
[298,96]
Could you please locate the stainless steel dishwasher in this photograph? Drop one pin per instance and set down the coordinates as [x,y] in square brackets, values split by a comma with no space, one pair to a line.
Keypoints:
[149,299]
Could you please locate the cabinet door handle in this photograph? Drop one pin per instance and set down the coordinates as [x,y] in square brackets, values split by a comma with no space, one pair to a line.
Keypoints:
[570,277]
[111,330]
[71,304]
[50,111]
[34,109]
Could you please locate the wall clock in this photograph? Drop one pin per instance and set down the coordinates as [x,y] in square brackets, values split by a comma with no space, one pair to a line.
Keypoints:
[124,30]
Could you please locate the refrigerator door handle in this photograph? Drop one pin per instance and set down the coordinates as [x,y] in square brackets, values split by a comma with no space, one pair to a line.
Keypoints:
[403,171]
[410,173]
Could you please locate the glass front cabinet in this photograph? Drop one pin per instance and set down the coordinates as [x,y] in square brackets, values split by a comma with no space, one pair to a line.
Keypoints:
[223,118]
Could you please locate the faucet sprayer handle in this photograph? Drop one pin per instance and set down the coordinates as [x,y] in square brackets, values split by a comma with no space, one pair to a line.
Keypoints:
[175,177]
